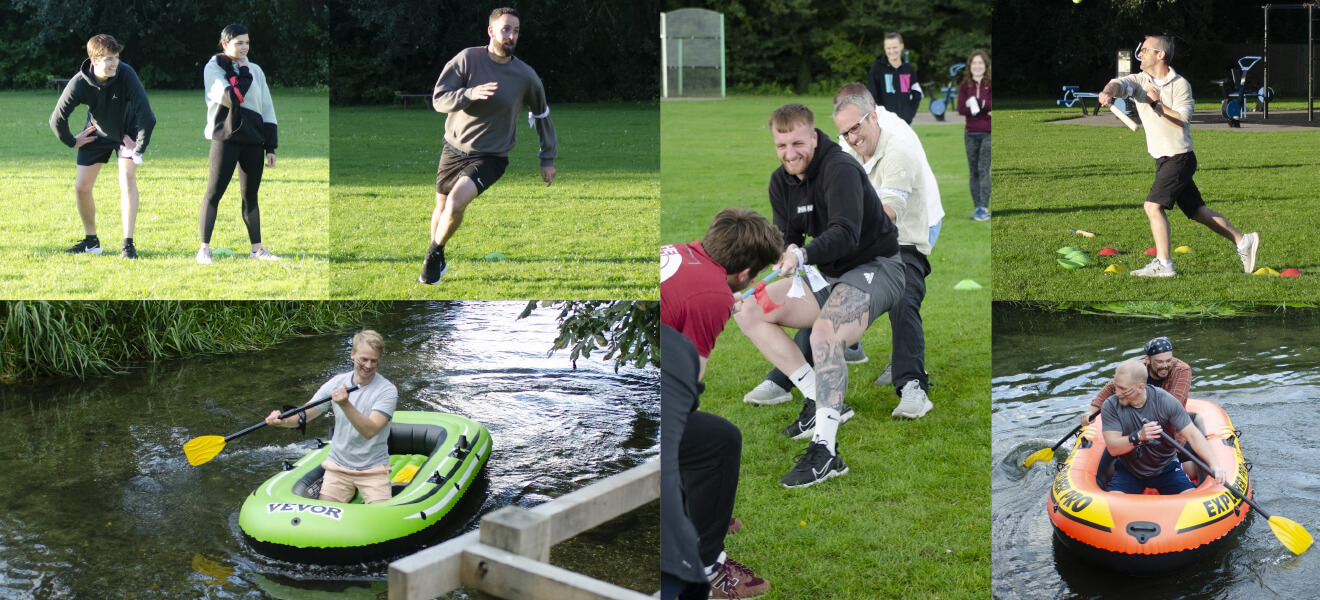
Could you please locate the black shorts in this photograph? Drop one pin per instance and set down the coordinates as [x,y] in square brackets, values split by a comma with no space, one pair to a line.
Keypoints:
[98,151]
[1174,185]
[484,171]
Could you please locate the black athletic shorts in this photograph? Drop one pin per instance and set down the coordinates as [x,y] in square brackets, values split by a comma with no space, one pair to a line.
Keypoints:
[484,171]
[1174,185]
[99,151]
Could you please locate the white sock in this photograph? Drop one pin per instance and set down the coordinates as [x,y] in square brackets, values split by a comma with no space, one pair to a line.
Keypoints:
[805,380]
[714,568]
[827,426]
[1166,262]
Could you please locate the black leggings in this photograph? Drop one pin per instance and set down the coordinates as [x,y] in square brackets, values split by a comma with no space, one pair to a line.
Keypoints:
[251,161]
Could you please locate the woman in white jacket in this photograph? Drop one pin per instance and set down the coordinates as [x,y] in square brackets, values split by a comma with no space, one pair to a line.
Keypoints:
[240,122]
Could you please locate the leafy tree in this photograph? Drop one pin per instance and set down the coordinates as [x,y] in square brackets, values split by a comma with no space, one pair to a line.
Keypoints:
[629,331]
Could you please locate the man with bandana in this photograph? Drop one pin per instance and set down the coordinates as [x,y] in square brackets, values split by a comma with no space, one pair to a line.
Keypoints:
[1167,373]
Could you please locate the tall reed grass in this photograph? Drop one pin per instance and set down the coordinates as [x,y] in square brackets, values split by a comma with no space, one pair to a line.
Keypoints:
[1166,309]
[87,339]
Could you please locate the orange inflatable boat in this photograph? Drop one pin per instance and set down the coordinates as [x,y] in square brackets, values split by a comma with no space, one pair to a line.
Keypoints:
[1148,534]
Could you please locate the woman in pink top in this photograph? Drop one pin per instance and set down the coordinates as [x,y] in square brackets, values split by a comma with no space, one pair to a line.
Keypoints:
[974,104]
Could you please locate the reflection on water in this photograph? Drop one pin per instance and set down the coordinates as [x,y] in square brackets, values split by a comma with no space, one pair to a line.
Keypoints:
[97,499]
[1264,371]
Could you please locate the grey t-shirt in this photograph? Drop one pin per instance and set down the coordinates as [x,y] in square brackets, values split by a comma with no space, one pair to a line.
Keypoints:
[348,447]
[488,126]
[1161,407]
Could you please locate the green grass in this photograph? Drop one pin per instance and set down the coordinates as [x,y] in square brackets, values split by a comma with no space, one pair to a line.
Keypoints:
[41,216]
[1049,177]
[912,517]
[593,234]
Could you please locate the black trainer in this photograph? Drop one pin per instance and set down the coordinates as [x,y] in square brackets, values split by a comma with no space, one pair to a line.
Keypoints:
[433,267]
[128,251]
[87,246]
[806,420]
[814,465]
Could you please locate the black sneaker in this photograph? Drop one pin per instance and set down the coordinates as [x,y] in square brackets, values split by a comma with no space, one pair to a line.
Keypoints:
[87,246]
[433,267]
[814,465]
[128,251]
[806,420]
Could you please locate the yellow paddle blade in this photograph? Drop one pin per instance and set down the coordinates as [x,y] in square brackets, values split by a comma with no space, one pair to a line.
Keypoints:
[1293,536]
[406,474]
[203,449]
[1045,454]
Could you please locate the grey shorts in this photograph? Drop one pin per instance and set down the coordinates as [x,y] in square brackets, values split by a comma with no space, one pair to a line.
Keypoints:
[885,285]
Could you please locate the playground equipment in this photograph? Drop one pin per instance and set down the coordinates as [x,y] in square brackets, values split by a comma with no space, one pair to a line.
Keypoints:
[1234,105]
[692,56]
[939,105]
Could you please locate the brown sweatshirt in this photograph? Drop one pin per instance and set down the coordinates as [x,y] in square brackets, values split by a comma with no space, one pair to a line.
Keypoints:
[488,127]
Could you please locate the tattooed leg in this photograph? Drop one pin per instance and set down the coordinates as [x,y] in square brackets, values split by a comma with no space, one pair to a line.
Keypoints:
[842,321]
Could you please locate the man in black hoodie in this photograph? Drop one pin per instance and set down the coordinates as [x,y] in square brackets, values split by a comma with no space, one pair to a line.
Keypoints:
[893,82]
[119,119]
[820,191]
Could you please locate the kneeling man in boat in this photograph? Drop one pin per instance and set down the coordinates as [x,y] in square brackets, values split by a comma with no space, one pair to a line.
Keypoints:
[359,449]
[1133,419]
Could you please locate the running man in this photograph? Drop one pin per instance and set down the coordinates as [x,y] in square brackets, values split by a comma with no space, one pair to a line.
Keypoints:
[482,89]
[119,120]
[1164,102]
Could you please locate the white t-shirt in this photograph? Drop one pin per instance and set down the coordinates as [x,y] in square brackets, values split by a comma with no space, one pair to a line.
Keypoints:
[348,447]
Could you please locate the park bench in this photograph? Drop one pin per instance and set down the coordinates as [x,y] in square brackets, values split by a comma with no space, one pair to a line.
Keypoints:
[405,97]
[59,83]
[1071,95]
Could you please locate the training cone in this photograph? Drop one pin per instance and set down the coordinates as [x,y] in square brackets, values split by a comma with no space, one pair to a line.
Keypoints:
[1115,269]
[1290,273]
[1265,271]
[1068,264]
[1182,249]
[1150,251]
[494,256]
[1079,257]
[967,284]
[1108,252]
[1066,250]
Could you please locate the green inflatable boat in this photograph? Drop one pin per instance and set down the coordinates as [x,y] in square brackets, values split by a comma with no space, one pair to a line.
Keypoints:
[434,458]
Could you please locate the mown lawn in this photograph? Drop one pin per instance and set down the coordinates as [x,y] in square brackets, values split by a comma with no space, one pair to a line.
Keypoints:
[41,216]
[912,517]
[592,234]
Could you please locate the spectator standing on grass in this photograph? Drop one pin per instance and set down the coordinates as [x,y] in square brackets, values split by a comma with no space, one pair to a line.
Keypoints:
[1164,102]
[119,120]
[482,89]
[893,82]
[974,106]
[240,122]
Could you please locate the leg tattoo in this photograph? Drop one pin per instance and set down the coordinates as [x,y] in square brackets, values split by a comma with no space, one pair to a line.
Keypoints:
[848,307]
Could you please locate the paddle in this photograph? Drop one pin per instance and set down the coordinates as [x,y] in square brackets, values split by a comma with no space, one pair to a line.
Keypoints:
[202,449]
[1293,536]
[1047,454]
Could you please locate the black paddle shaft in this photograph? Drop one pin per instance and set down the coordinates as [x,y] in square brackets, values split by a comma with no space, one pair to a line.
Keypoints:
[1168,438]
[1074,431]
[286,414]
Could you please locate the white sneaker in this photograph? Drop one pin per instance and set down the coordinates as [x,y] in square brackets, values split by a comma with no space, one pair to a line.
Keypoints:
[767,392]
[1155,269]
[204,256]
[914,403]
[887,376]
[1247,251]
[261,253]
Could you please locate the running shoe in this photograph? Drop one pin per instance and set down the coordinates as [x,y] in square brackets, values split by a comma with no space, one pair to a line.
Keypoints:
[981,214]
[886,376]
[855,354]
[805,424]
[913,404]
[814,465]
[128,251]
[734,580]
[1155,269]
[735,525]
[767,392]
[86,246]
[262,253]
[433,267]
[1246,250]
[204,256]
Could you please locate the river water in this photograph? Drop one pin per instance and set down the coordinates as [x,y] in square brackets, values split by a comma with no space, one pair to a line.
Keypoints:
[1264,371]
[98,501]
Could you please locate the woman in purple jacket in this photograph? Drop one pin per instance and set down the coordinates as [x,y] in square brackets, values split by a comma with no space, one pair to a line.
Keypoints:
[974,104]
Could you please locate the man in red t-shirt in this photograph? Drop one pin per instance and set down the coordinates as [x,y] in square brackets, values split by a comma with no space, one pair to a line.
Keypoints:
[697,279]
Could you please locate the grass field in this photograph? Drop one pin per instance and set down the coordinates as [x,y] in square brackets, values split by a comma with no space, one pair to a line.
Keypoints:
[912,517]
[41,216]
[593,234]
[1049,177]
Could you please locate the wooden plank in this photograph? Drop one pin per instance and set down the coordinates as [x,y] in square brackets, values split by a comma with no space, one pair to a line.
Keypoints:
[602,501]
[519,531]
[506,575]
[431,572]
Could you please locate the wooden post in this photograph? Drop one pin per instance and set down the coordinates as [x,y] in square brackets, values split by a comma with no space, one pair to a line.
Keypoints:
[506,575]
[519,531]
[602,501]
[431,572]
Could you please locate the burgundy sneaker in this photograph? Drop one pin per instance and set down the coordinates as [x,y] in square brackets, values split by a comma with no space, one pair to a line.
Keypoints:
[734,580]
[734,525]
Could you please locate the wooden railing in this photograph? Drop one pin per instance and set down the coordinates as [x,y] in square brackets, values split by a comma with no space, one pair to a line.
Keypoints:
[507,557]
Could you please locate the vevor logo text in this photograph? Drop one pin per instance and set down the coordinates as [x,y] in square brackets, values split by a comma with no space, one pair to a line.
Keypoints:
[316,509]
